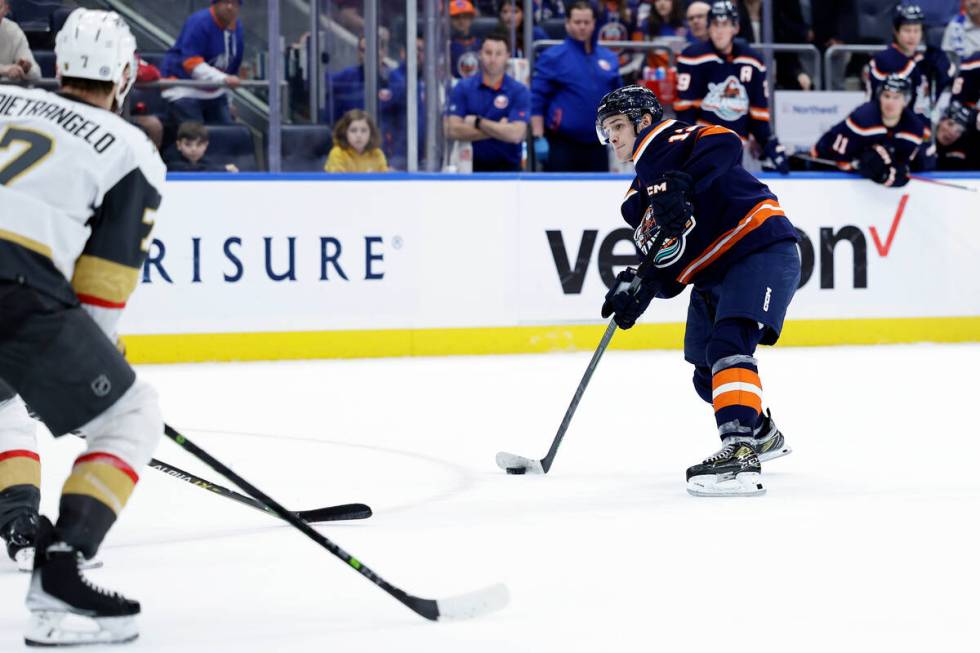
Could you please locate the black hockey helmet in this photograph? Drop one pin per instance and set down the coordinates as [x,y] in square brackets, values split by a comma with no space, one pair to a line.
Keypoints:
[898,84]
[722,10]
[632,101]
[908,15]
[961,114]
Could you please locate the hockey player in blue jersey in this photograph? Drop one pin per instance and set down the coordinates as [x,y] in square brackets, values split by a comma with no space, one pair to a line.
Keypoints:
[723,82]
[958,139]
[723,232]
[880,138]
[929,72]
[966,86]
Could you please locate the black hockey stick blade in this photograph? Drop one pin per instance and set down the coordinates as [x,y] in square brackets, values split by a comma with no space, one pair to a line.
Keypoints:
[328,513]
[335,513]
[463,606]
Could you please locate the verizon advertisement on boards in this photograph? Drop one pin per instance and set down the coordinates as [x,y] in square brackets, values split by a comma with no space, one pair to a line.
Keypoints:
[262,255]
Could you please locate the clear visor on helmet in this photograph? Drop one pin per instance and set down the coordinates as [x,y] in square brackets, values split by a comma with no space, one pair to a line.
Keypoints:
[601,132]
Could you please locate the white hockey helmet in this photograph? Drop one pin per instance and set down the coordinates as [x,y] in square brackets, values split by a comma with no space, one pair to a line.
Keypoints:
[98,45]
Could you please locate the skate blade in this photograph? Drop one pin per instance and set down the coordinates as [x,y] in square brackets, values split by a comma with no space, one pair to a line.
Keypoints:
[775,453]
[57,628]
[747,484]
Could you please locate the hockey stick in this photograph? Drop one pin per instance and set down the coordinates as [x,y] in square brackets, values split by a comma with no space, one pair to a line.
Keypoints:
[328,513]
[463,606]
[514,464]
[928,180]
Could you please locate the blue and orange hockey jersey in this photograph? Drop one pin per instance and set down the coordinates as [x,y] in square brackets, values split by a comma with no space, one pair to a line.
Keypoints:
[727,90]
[966,87]
[203,39]
[928,80]
[863,129]
[734,213]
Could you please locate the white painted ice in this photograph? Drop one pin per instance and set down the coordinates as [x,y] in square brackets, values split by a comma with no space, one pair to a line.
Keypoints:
[866,541]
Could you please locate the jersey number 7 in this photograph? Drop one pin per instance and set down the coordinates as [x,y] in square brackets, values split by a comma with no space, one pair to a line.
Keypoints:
[38,147]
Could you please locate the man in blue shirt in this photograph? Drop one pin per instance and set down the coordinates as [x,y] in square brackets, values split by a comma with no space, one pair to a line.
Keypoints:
[491,109]
[210,47]
[569,81]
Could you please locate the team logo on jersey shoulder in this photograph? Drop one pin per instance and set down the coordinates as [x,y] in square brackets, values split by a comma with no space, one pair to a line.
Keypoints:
[671,250]
[728,99]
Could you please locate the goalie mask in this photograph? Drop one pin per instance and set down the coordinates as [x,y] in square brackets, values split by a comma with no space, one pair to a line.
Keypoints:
[97,45]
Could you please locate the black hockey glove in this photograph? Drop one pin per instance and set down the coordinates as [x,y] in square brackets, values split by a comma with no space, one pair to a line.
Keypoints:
[671,203]
[628,298]
[777,155]
[875,164]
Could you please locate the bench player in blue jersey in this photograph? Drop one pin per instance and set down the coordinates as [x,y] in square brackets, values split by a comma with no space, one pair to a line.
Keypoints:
[880,138]
[727,236]
[723,82]
[929,72]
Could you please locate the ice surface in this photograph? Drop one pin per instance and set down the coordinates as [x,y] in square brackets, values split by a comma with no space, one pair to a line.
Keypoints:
[866,540]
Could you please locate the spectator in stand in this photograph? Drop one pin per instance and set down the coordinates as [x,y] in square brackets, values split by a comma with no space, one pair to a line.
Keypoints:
[512,22]
[463,46]
[141,117]
[958,139]
[546,9]
[16,60]
[880,138]
[569,81]
[930,73]
[188,153]
[347,85]
[394,113]
[666,18]
[356,145]
[788,27]
[210,47]
[492,110]
[697,21]
[962,35]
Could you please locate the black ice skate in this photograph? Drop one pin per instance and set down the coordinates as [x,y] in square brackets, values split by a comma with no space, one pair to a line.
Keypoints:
[67,609]
[768,442]
[19,536]
[734,471]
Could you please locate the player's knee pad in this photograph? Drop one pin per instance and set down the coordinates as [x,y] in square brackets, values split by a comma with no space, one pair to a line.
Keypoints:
[130,429]
[702,382]
[17,429]
[732,337]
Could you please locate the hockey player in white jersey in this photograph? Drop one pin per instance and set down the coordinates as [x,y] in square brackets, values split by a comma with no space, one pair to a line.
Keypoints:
[78,190]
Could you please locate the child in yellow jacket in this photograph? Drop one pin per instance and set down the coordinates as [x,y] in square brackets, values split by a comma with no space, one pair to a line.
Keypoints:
[356,145]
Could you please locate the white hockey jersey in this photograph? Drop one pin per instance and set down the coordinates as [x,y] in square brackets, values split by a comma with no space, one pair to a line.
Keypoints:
[78,189]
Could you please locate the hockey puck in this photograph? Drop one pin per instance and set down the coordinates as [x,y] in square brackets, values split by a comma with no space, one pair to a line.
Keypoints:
[516,470]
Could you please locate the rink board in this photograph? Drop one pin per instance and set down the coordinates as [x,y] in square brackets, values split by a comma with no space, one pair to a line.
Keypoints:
[258,267]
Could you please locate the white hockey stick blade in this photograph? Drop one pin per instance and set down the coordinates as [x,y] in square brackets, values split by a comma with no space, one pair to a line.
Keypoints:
[474,604]
[514,464]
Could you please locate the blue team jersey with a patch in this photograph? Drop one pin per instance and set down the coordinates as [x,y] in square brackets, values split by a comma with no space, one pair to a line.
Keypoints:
[203,40]
[510,100]
[734,213]
[863,129]
[728,90]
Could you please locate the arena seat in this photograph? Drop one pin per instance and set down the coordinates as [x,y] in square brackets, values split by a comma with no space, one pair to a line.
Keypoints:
[46,61]
[232,144]
[33,14]
[305,147]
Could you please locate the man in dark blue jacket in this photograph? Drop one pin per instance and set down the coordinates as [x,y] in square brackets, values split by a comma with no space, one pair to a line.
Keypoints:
[568,82]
